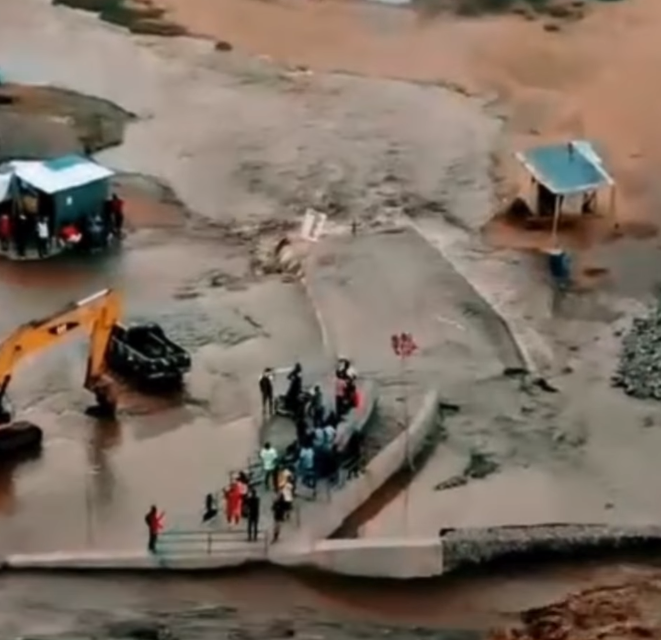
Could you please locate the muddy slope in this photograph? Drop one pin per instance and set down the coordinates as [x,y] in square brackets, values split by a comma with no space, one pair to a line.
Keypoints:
[43,122]
[138,16]
[620,612]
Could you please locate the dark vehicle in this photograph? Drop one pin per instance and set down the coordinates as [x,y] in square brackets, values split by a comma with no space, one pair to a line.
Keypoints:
[20,438]
[145,355]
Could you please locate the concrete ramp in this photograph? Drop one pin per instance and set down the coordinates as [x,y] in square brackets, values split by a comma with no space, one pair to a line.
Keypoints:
[369,287]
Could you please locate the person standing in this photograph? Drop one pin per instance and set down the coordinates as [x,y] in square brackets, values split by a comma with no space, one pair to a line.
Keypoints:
[306,465]
[283,477]
[269,458]
[252,514]
[287,493]
[210,508]
[116,216]
[279,507]
[233,498]
[43,237]
[5,231]
[21,233]
[154,522]
[316,409]
[293,395]
[266,391]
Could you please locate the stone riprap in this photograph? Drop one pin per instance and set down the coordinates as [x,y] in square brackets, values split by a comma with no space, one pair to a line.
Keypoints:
[465,548]
[639,368]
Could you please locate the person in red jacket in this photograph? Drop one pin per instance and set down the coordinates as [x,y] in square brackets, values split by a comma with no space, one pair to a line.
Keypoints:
[70,235]
[5,231]
[233,502]
[154,522]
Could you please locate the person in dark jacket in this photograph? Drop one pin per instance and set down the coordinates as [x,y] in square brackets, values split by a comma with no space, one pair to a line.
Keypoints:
[116,216]
[316,407]
[21,233]
[251,506]
[210,508]
[279,509]
[295,390]
[266,391]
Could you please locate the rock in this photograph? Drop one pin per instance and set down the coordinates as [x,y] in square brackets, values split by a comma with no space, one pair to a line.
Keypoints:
[140,630]
[151,27]
[639,364]
[223,45]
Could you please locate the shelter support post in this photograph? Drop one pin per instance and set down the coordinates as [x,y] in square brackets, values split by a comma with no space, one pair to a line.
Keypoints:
[556,221]
[612,204]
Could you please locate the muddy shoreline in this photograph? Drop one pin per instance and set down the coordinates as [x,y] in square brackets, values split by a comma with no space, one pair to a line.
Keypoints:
[38,122]
[138,16]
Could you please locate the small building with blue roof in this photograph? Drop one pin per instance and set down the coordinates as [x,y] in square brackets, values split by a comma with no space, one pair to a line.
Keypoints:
[566,173]
[69,189]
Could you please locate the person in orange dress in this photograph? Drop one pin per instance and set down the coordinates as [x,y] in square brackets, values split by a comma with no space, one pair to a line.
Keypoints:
[233,502]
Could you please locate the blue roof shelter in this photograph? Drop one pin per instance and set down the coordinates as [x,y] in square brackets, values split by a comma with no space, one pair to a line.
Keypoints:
[71,188]
[565,169]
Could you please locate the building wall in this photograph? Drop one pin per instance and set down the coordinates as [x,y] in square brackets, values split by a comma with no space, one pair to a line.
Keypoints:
[74,205]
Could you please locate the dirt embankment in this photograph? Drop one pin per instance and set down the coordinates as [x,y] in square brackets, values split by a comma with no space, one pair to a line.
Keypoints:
[138,16]
[45,122]
[39,122]
[624,612]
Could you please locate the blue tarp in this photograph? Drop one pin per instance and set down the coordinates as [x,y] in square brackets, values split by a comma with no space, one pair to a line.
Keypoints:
[567,168]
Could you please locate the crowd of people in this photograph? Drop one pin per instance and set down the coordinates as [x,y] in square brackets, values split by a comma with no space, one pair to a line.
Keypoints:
[315,454]
[312,456]
[242,502]
[29,229]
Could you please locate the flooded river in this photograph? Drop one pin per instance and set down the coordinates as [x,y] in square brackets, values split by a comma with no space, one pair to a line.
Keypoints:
[92,484]
[268,603]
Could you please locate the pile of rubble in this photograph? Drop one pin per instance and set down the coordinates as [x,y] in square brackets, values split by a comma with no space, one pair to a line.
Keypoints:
[619,612]
[639,367]
[466,548]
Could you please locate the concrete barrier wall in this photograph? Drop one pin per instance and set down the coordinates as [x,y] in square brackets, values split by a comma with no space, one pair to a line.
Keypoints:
[391,558]
[323,518]
[137,561]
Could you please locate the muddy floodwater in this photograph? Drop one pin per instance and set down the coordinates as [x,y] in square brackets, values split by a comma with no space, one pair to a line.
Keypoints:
[265,603]
[246,146]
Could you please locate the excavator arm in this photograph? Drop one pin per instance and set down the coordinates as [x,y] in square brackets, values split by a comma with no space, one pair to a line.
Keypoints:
[97,315]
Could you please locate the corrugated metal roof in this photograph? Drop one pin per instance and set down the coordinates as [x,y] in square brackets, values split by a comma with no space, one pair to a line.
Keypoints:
[573,167]
[61,174]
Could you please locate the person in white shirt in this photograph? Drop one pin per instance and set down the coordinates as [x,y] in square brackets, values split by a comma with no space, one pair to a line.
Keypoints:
[43,237]
[269,458]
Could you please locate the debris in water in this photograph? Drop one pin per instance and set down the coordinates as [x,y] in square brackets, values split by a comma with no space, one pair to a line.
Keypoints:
[479,466]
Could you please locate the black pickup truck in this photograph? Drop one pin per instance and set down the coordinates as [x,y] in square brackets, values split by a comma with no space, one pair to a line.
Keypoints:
[144,355]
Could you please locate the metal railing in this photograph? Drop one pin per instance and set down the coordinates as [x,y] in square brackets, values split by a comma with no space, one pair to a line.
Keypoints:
[211,542]
[349,468]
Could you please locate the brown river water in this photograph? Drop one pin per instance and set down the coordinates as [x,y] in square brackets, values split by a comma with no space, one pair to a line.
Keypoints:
[251,602]
[44,504]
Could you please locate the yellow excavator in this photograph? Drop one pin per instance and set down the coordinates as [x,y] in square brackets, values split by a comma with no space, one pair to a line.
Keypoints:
[140,354]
